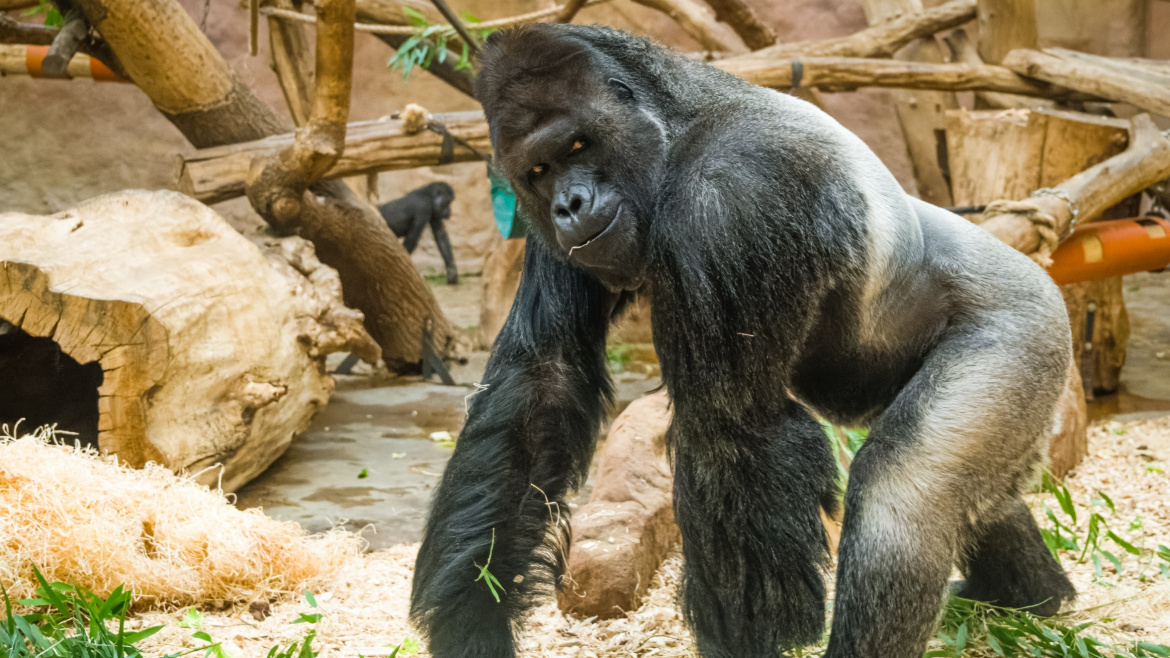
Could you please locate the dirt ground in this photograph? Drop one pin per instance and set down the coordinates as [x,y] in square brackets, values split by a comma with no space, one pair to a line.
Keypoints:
[365,605]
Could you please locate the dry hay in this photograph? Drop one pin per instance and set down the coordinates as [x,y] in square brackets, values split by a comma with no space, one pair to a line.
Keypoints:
[365,604]
[84,519]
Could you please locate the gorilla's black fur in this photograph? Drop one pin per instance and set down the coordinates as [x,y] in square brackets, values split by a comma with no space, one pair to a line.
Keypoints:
[786,271]
[410,215]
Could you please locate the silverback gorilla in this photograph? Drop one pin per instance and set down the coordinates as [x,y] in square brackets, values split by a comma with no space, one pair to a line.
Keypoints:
[409,216]
[787,271]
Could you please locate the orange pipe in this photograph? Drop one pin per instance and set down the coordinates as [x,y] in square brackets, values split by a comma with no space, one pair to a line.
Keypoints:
[1111,248]
[34,58]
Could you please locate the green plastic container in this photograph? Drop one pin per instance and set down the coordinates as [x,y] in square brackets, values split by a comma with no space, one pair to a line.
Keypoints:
[509,220]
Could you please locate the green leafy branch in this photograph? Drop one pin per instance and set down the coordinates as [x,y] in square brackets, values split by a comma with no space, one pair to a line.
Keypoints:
[429,43]
[52,15]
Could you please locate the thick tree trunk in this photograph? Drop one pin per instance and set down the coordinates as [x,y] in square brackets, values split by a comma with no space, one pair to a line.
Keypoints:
[174,63]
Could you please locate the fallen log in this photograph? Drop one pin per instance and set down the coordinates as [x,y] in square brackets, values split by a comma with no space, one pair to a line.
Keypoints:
[1144,83]
[217,174]
[226,377]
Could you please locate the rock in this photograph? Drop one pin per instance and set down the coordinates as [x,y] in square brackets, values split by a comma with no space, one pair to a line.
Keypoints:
[625,531]
[1070,441]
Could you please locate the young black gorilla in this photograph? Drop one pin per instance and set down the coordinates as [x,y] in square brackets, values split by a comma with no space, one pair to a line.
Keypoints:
[783,262]
[410,215]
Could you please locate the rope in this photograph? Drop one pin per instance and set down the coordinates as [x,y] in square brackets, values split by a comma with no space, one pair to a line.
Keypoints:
[376,28]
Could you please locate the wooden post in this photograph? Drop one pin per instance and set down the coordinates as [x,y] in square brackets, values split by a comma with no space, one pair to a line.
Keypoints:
[1005,25]
[922,114]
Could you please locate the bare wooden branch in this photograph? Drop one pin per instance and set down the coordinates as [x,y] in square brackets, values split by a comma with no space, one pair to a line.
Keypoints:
[740,16]
[1143,83]
[1005,25]
[217,174]
[878,41]
[1036,224]
[569,11]
[277,184]
[849,73]
[964,50]
[16,32]
[695,19]
[290,61]
[65,45]
[13,5]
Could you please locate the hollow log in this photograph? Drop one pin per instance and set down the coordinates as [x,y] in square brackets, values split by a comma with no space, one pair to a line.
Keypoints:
[1144,83]
[212,353]
[173,62]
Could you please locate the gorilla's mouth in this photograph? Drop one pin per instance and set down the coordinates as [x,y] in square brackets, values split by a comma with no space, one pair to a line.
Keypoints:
[600,234]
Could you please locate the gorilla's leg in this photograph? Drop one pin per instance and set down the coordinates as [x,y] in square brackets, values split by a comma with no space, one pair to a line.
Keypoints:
[748,502]
[958,445]
[1008,564]
[444,244]
[418,224]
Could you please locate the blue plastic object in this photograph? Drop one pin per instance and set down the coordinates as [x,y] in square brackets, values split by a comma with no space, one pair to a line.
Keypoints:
[510,222]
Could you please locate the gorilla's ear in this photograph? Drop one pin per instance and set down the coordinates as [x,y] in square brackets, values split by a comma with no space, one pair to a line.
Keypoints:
[623,91]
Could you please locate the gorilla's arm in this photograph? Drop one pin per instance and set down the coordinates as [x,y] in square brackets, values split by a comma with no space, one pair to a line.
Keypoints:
[528,440]
[444,243]
[418,223]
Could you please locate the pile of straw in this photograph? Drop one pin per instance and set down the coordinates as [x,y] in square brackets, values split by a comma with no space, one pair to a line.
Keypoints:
[84,519]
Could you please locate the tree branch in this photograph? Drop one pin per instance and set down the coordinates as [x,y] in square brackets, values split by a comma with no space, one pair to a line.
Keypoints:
[569,11]
[1143,83]
[694,18]
[878,41]
[15,32]
[277,184]
[66,44]
[744,21]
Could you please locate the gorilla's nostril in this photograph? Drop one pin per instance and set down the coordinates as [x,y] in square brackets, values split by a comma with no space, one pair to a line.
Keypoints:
[575,205]
[561,212]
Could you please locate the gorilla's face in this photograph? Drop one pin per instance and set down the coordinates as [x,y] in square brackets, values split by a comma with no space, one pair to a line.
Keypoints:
[583,156]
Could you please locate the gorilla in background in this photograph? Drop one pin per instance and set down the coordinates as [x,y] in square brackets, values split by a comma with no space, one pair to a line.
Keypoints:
[410,215]
[787,271]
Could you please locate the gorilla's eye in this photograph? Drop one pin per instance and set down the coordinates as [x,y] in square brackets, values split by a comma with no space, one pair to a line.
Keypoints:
[578,146]
[537,171]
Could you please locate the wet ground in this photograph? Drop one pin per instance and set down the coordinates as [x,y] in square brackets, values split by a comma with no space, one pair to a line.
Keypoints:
[373,456]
